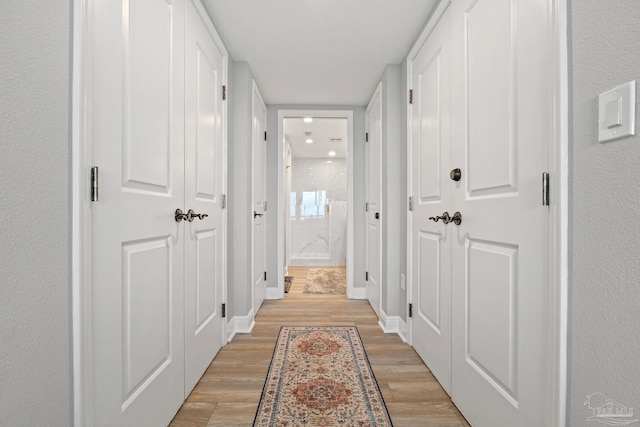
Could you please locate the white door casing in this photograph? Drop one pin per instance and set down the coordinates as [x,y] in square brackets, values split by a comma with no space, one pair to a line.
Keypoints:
[205,240]
[430,187]
[501,133]
[288,158]
[136,132]
[374,197]
[258,173]
[353,292]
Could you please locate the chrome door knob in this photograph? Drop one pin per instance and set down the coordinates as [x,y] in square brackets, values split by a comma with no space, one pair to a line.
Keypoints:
[455,174]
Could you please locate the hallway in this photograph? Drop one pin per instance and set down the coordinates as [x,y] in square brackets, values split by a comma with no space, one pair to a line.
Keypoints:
[228,393]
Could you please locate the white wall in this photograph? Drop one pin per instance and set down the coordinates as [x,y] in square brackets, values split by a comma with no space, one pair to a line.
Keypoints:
[274,150]
[605,212]
[35,285]
[403,299]
[394,191]
[239,187]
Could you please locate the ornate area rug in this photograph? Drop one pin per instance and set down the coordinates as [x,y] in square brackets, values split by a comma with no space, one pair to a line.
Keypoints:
[322,281]
[320,376]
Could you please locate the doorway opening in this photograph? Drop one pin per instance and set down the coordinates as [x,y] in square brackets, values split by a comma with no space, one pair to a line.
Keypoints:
[315,196]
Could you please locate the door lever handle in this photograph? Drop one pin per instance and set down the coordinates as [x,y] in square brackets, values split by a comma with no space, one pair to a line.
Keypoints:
[256,214]
[445,217]
[191,215]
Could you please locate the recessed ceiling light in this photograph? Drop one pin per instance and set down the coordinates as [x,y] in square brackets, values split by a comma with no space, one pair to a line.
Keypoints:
[309,141]
[308,119]
[332,153]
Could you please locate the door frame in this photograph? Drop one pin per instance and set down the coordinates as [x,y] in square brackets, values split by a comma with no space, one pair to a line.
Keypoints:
[81,266]
[559,197]
[276,293]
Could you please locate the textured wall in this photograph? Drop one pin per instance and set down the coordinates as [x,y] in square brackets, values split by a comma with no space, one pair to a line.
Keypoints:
[394,192]
[35,299]
[604,348]
[403,300]
[239,187]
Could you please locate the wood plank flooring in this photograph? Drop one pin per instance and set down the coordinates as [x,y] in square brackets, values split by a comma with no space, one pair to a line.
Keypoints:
[228,393]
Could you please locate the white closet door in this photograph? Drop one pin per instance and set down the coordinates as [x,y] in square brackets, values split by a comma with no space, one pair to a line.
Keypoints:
[501,132]
[431,191]
[258,172]
[373,197]
[205,71]
[137,290]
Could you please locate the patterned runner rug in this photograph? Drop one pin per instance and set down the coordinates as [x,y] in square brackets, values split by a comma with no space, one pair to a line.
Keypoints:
[320,376]
[323,281]
[288,281]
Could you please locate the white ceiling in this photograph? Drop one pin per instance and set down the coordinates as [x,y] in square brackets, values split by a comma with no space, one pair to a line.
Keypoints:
[322,130]
[318,51]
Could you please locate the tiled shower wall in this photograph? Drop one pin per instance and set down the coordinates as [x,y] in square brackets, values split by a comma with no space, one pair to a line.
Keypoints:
[318,212]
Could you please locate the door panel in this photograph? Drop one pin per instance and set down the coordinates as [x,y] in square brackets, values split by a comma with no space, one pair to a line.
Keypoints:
[429,304]
[490,82]
[373,183]
[429,137]
[207,65]
[206,299]
[500,255]
[430,149]
[137,283]
[259,119]
[148,22]
[204,239]
[146,350]
[492,306]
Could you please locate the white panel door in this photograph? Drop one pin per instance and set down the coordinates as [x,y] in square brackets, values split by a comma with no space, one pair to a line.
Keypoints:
[501,133]
[431,191]
[373,197]
[137,290]
[205,64]
[258,168]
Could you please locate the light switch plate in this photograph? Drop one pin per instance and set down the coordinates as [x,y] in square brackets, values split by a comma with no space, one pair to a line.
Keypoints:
[617,112]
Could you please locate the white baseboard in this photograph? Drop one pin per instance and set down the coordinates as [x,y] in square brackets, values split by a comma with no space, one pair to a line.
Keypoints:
[357,293]
[240,325]
[392,325]
[403,330]
[275,293]
[386,322]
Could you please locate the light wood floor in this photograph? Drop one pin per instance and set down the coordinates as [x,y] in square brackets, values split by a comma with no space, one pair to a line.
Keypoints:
[228,393]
